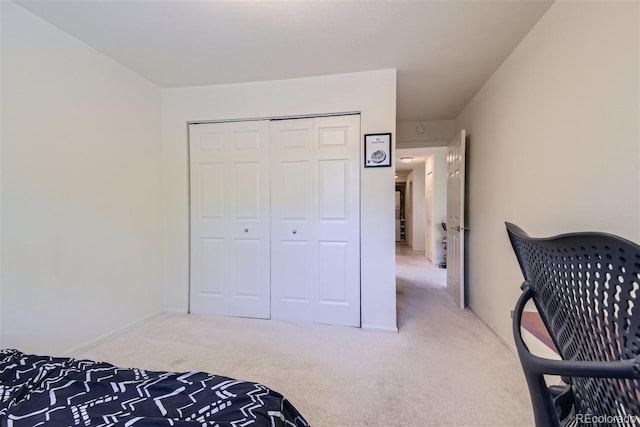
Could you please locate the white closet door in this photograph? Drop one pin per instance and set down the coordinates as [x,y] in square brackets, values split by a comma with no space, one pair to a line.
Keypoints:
[293,237]
[337,293]
[230,218]
[316,220]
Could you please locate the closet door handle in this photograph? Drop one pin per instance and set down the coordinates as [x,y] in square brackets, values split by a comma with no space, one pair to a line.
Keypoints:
[294,231]
[246,230]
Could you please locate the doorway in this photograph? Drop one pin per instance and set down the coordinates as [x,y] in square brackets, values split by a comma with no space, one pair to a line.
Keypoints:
[422,174]
[400,213]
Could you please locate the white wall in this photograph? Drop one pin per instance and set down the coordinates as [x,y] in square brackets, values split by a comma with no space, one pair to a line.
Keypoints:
[371,93]
[436,133]
[81,203]
[419,214]
[554,144]
[429,244]
[408,209]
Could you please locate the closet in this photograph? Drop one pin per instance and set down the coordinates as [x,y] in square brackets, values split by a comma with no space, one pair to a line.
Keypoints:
[275,219]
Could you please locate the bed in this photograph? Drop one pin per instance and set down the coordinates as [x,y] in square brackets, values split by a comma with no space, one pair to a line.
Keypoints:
[60,391]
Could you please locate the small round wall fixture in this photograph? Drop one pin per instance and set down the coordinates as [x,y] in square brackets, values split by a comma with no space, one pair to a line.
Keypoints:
[420,128]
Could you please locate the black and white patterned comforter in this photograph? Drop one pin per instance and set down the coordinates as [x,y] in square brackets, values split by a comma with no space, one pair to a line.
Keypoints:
[55,391]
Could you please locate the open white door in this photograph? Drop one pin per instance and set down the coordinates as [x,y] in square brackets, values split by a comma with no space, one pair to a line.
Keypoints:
[455,219]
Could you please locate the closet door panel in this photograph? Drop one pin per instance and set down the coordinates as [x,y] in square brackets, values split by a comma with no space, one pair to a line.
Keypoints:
[246,191]
[296,260]
[332,277]
[337,293]
[207,205]
[212,262]
[315,220]
[292,249]
[333,189]
[294,182]
[211,191]
[230,220]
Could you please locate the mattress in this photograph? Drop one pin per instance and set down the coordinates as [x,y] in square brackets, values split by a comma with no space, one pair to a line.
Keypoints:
[59,391]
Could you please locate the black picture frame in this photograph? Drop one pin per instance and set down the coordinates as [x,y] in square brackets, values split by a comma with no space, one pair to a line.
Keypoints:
[377,150]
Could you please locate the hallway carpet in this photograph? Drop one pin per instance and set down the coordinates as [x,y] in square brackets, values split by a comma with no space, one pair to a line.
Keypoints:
[444,367]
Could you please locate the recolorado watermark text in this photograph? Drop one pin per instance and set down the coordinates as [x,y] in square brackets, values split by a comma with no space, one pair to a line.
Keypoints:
[608,419]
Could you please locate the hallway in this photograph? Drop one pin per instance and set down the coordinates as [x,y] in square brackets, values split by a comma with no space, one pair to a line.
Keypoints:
[413,266]
[420,289]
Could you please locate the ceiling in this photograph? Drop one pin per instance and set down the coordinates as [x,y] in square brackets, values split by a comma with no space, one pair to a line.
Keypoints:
[416,157]
[444,51]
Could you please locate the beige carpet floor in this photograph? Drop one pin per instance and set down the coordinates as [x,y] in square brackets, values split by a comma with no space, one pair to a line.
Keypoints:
[444,367]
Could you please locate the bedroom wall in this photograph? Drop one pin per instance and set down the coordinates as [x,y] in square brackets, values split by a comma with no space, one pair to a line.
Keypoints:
[81,211]
[372,93]
[554,144]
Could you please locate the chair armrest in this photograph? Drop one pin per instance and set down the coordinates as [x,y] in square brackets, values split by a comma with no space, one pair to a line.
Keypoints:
[575,368]
[629,368]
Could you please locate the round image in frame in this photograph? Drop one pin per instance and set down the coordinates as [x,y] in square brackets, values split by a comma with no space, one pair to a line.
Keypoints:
[378,156]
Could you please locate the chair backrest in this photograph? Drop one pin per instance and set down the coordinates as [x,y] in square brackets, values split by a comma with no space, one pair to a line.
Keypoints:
[586,288]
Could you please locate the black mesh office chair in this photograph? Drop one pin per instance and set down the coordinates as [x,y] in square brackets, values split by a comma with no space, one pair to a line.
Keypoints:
[585,287]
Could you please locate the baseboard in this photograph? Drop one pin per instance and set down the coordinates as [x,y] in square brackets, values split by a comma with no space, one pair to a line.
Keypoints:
[111,334]
[510,345]
[380,328]
[175,311]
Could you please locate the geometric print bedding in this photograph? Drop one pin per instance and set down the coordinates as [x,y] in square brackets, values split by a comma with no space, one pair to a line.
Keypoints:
[59,391]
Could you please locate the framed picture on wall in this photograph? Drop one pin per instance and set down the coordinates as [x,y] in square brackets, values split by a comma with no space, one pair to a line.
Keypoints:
[377,150]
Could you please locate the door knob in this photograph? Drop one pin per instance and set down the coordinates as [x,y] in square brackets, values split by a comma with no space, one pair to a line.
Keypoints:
[294,231]
[246,230]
